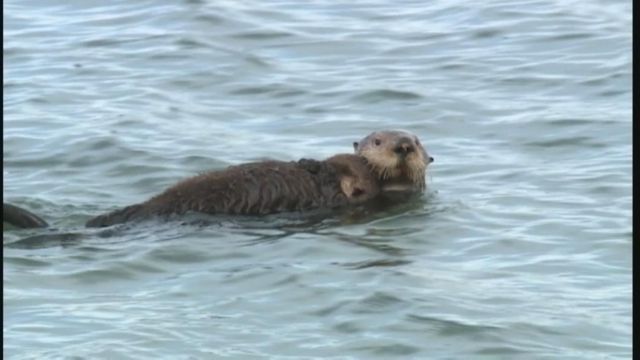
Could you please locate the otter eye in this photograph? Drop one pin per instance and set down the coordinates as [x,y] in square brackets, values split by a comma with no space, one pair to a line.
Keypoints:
[377,142]
[357,192]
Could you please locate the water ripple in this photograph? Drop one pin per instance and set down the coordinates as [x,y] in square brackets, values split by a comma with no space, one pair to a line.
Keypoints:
[520,249]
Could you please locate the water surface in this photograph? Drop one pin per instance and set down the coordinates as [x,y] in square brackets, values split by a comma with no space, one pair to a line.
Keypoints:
[520,249]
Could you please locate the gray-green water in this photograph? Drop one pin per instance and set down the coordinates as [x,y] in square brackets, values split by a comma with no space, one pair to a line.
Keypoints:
[521,249]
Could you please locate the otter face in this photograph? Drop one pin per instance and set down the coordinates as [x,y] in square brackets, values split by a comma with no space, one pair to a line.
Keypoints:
[397,157]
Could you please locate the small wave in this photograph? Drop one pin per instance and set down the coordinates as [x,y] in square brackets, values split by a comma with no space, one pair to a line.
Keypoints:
[262,35]
[387,95]
[576,141]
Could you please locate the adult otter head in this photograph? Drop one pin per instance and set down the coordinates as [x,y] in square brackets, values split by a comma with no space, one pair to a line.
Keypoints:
[397,158]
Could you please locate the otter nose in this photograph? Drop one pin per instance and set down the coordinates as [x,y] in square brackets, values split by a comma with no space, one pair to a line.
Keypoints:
[403,147]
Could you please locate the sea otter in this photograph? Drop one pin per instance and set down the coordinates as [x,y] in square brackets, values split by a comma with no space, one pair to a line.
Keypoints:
[397,158]
[385,162]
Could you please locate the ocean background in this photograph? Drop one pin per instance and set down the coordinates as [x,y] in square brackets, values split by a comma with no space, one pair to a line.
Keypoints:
[520,249]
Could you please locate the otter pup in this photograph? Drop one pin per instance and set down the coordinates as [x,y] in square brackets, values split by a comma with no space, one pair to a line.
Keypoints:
[260,188]
[397,158]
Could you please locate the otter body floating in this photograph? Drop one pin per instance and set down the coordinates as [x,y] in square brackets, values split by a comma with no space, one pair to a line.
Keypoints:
[384,162]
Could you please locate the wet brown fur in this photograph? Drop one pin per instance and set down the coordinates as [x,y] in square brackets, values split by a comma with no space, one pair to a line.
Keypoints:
[260,188]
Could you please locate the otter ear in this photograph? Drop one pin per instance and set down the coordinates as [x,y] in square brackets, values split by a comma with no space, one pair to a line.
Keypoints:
[355,146]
